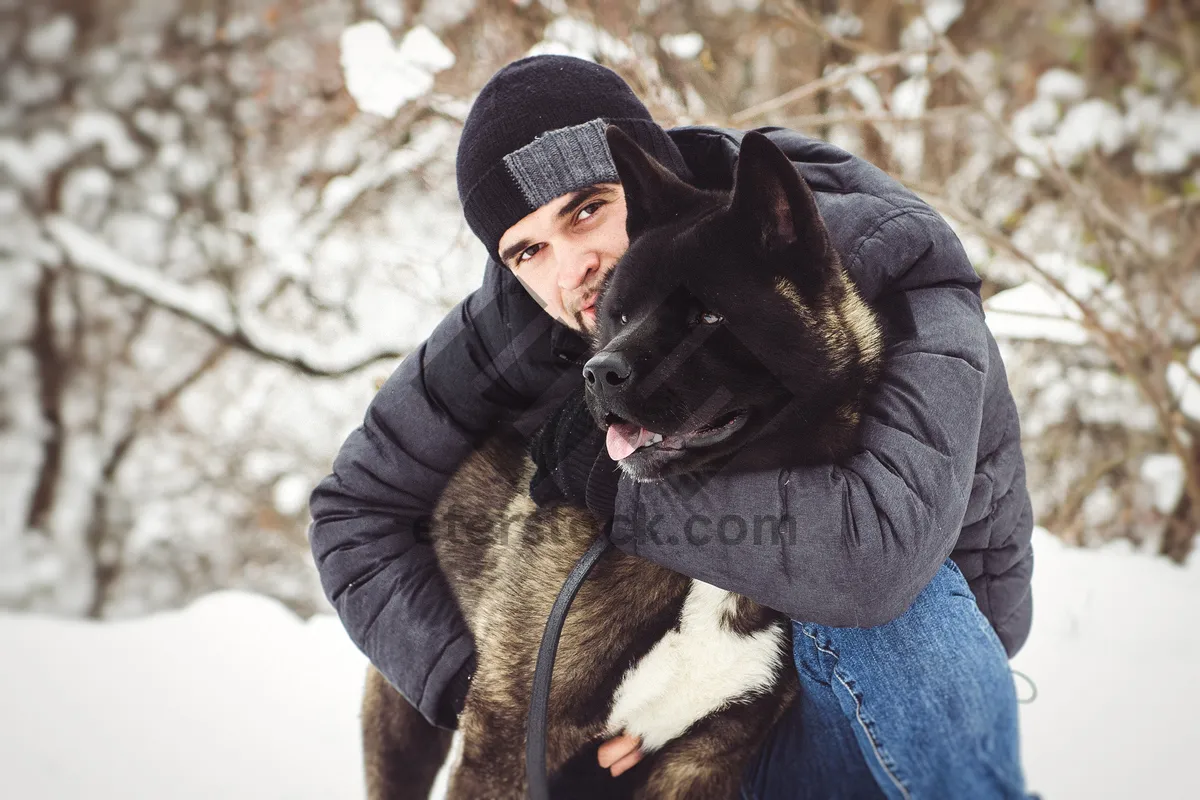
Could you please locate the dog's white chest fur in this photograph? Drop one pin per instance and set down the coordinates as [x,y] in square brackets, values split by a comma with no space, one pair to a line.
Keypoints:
[693,671]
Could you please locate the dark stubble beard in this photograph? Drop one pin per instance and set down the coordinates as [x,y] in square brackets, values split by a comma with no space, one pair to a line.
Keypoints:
[580,320]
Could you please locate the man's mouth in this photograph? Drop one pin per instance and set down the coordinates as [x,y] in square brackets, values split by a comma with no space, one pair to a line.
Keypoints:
[588,310]
[626,438]
[589,301]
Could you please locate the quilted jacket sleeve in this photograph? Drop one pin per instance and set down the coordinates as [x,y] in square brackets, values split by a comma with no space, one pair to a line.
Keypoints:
[859,539]
[375,566]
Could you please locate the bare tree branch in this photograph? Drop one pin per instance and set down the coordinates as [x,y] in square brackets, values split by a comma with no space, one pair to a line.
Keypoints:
[199,305]
[840,77]
[1088,201]
[844,117]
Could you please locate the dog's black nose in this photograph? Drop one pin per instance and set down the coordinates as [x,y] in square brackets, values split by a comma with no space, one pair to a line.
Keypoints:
[605,372]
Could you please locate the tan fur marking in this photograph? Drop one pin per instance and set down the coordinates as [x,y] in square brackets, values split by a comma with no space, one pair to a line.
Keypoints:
[862,323]
[787,290]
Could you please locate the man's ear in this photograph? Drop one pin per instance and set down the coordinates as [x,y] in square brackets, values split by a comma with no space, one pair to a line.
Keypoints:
[771,198]
[653,195]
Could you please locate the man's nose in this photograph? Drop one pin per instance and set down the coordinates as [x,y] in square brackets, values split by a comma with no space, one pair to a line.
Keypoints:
[574,266]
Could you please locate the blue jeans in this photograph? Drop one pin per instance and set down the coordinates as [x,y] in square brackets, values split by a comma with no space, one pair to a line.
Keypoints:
[922,707]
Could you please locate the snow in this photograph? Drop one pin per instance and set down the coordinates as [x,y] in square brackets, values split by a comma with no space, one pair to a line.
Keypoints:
[1165,474]
[1121,12]
[843,23]
[938,15]
[1167,135]
[1033,311]
[862,88]
[101,127]
[290,494]
[193,172]
[103,61]
[382,77]
[942,13]
[445,14]
[1062,85]
[206,304]
[1114,653]
[29,163]
[424,50]
[31,87]
[234,697]
[908,101]
[725,7]
[161,75]
[135,232]
[291,241]
[85,193]
[389,12]
[1100,507]
[1185,384]
[1093,124]
[13,162]
[191,99]
[682,45]
[910,96]
[52,41]
[162,205]
[1174,141]
[50,149]
[10,203]
[1059,121]
[568,36]
[127,88]
[1029,124]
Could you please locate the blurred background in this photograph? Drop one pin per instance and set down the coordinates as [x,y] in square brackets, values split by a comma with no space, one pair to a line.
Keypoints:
[224,222]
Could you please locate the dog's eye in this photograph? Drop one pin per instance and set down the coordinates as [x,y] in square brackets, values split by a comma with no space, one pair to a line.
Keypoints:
[624,319]
[710,318]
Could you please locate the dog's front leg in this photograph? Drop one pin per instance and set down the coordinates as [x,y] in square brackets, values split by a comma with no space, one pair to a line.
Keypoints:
[492,766]
[709,762]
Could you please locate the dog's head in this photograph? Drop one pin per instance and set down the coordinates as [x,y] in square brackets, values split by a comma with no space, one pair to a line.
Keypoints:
[728,323]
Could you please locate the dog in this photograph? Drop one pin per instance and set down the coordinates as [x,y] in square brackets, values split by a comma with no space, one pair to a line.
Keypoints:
[728,337]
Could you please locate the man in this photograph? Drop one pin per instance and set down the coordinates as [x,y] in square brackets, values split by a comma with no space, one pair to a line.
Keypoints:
[905,685]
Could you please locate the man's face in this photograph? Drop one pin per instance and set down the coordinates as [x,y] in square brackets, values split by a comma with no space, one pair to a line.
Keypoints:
[562,251]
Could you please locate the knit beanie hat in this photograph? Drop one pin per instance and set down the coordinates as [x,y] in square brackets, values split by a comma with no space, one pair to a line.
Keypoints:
[536,132]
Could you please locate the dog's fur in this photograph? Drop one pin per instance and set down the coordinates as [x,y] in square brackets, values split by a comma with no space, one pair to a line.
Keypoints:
[730,329]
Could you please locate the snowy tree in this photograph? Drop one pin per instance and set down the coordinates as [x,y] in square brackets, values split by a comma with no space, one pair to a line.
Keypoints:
[223,221]
[209,251]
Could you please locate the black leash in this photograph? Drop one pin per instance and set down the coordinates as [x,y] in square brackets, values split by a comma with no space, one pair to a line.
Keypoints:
[535,724]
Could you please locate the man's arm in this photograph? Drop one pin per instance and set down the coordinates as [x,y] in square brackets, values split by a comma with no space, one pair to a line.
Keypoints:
[871,532]
[375,565]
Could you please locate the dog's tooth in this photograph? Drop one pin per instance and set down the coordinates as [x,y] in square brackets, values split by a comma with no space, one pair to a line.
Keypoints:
[655,438]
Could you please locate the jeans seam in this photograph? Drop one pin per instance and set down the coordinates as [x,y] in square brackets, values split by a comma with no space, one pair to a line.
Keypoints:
[880,753]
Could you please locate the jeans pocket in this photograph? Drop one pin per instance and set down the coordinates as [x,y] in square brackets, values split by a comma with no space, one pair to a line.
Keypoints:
[953,581]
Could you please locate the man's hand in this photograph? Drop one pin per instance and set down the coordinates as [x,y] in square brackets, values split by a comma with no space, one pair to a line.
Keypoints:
[620,753]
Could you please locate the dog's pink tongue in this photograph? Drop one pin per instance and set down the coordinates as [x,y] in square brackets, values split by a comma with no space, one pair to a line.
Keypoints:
[624,438]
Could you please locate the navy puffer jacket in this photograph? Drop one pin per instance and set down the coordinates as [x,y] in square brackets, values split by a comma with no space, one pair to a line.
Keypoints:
[940,473]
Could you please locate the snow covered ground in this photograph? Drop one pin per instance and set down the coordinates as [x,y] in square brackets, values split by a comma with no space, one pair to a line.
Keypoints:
[236,698]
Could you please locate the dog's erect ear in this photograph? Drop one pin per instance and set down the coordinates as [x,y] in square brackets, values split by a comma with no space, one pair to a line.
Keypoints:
[772,198]
[653,195]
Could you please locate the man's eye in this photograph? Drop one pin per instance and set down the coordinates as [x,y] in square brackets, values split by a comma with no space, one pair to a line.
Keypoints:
[528,253]
[588,210]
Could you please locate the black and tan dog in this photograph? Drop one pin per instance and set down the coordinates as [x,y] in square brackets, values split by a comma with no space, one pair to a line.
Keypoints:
[728,337]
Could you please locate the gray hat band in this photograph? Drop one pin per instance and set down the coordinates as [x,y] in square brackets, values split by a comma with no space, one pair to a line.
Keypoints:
[562,161]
